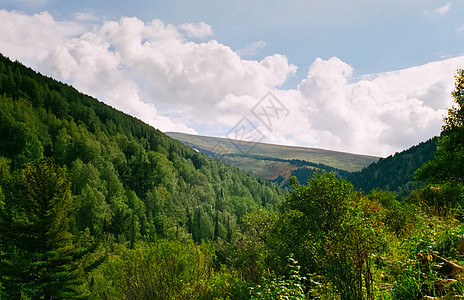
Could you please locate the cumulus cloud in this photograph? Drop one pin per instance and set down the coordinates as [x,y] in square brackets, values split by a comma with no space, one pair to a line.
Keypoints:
[378,114]
[197,30]
[154,72]
[386,112]
[30,38]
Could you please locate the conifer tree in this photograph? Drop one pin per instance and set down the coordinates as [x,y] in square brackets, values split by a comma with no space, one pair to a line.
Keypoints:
[37,253]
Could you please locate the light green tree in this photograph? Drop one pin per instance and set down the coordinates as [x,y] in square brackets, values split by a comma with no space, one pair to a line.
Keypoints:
[339,235]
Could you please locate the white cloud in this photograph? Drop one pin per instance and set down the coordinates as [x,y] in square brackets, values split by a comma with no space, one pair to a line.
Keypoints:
[85,16]
[153,72]
[197,30]
[440,11]
[30,38]
[251,49]
[444,9]
[379,114]
[70,52]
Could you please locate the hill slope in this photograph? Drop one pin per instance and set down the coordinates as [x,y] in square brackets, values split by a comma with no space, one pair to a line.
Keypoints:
[395,173]
[276,162]
[132,180]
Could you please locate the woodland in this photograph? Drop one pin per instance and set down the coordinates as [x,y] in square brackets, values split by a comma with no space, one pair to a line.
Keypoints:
[96,204]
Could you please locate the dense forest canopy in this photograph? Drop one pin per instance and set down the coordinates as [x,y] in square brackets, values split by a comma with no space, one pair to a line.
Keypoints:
[95,204]
[129,181]
[396,172]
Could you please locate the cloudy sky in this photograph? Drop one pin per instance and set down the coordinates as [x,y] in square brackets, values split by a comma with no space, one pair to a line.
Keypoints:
[361,76]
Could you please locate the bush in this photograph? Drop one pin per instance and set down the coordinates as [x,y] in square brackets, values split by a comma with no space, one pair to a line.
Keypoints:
[273,287]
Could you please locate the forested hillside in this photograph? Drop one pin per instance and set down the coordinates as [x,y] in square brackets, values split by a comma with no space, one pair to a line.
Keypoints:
[396,172]
[95,204]
[130,181]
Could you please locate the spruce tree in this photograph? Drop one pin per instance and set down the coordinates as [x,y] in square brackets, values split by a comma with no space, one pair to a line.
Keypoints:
[38,258]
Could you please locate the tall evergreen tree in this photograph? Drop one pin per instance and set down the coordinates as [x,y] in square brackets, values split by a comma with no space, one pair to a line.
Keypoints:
[38,256]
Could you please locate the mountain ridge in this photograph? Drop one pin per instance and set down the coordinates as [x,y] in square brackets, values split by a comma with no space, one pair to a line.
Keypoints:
[276,163]
[352,161]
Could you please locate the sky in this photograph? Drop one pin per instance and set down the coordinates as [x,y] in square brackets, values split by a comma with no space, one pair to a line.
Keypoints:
[366,77]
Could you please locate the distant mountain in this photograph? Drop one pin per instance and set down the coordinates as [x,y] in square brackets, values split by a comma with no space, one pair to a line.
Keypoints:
[395,173]
[276,162]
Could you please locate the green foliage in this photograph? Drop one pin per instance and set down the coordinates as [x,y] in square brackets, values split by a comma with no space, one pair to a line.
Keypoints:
[421,271]
[274,287]
[440,199]
[399,217]
[96,204]
[342,237]
[455,119]
[324,202]
[250,252]
[243,206]
[409,286]
[128,184]
[227,284]
[38,254]
[2,294]
[395,173]
[163,270]
[123,171]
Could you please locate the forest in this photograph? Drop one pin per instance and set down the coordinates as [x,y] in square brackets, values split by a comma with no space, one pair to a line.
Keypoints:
[396,172]
[95,204]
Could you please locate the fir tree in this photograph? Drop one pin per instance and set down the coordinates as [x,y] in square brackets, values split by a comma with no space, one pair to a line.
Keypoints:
[38,256]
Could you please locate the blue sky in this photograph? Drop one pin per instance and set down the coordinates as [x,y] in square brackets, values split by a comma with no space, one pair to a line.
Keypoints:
[372,36]
[319,57]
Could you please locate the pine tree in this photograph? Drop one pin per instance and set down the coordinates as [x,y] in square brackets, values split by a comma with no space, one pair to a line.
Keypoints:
[38,258]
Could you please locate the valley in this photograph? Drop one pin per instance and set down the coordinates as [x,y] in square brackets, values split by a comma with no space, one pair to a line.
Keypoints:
[96,204]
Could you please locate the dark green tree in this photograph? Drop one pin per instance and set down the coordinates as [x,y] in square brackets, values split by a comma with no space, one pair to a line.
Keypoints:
[38,256]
